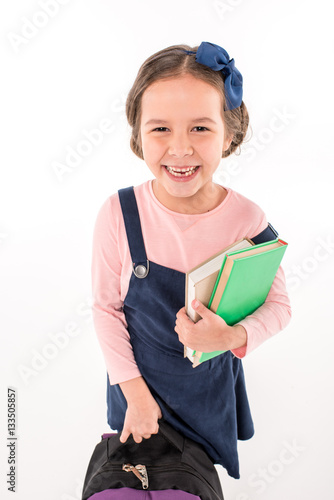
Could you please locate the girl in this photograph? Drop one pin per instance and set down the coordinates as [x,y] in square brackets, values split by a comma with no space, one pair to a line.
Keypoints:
[186,113]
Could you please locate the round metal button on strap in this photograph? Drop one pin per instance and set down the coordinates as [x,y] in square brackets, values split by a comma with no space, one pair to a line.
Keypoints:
[141,271]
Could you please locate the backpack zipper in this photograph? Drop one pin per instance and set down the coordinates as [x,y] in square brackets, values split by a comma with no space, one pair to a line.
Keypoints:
[139,471]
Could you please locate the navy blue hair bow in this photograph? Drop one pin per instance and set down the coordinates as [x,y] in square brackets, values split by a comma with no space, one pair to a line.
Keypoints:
[217,58]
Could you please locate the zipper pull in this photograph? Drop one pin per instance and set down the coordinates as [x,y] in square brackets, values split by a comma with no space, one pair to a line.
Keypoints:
[139,471]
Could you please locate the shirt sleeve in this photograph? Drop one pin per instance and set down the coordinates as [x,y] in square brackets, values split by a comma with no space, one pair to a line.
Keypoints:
[108,316]
[270,318]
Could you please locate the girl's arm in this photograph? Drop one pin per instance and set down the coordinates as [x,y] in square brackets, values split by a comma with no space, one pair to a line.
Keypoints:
[106,274]
[213,334]
[143,412]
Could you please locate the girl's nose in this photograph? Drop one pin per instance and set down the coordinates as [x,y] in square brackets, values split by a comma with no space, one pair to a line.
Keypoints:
[180,146]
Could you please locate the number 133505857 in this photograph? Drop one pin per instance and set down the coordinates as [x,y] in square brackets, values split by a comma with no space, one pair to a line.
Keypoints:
[11,399]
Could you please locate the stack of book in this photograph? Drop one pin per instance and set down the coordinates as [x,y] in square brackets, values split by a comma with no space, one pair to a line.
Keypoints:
[233,283]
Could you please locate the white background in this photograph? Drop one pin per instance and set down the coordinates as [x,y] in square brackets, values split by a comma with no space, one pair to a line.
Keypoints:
[65,72]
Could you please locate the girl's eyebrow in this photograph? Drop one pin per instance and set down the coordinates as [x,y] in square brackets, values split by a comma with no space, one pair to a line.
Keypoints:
[204,119]
[197,120]
[155,121]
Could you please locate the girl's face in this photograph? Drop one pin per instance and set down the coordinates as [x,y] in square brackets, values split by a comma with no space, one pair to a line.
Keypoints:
[182,138]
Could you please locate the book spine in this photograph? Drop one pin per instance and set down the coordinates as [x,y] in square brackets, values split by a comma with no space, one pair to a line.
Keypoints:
[217,281]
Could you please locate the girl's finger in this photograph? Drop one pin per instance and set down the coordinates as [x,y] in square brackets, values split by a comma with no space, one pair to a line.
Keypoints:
[137,438]
[124,436]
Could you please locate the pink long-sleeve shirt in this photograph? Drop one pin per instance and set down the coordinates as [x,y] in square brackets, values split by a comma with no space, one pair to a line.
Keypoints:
[178,241]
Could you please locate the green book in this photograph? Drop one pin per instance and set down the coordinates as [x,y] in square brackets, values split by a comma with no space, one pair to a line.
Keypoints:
[243,284]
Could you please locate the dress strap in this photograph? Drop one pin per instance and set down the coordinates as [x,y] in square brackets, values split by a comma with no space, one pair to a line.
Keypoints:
[268,234]
[134,232]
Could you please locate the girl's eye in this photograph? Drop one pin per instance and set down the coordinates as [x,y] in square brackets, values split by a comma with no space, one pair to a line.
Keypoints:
[201,129]
[160,129]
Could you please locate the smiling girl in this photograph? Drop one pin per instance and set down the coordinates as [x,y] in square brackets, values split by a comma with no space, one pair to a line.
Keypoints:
[182,139]
[186,113]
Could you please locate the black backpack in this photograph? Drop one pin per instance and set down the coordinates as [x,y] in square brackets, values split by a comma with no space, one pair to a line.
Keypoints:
[166,461]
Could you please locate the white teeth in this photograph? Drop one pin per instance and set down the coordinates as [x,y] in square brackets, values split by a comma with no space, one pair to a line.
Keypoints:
[179,172]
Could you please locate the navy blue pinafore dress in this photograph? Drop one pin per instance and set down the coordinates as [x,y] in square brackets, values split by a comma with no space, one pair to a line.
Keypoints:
[208,403]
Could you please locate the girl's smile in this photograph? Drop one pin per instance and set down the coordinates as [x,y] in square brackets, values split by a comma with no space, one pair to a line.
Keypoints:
[182,138]
[181,174]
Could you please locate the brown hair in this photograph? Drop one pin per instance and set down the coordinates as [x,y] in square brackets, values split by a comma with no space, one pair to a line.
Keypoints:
[173,62]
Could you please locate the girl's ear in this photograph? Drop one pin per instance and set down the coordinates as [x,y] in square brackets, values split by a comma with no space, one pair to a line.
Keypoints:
[140,147]
[227,142]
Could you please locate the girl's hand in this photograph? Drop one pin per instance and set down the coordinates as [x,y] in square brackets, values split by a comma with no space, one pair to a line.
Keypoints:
[142,414]
[141,421]
[211,333]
